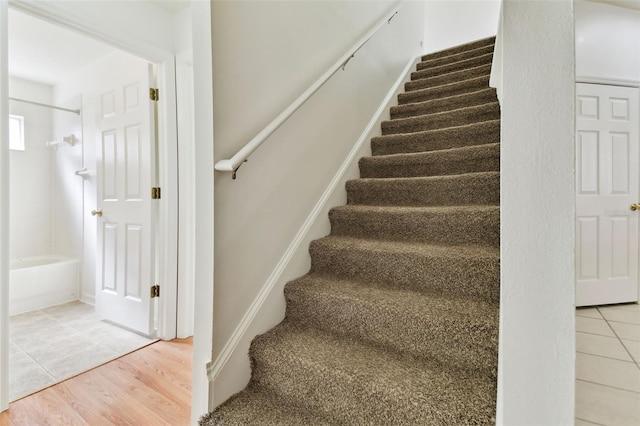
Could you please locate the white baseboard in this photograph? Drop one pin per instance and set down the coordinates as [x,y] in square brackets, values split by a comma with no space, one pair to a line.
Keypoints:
[89,299]
[268,307]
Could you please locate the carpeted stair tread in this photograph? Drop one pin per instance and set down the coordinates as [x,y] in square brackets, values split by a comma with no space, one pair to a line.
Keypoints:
[426,326]
[460,48]
[442,120]
[466,189]
[465,271]
[432,140]
[453,66]
[454,161]
[456,57]
[436,225]
[479,97]
[352,383]
[445,90]
[464,74]
[255,406]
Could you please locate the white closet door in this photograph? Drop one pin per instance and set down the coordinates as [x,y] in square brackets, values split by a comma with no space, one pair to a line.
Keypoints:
[607,162]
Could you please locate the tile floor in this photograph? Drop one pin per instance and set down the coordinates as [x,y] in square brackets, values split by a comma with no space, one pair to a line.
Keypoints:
[608,365]
[49,345]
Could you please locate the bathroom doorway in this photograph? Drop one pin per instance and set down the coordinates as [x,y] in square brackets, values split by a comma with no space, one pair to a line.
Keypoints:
[67,160]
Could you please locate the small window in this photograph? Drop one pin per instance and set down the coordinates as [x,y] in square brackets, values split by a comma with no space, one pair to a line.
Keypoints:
[16,132]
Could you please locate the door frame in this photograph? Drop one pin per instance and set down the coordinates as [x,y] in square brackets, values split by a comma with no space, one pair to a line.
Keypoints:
[167,159]
[4,210]
[167,141]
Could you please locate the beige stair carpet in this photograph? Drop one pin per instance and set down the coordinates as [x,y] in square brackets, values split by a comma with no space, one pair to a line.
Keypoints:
[396,323]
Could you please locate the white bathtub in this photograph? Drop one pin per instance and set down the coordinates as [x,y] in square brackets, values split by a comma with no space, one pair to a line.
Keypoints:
[42,281]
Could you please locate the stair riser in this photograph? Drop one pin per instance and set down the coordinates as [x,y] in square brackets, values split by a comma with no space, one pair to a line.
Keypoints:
[459,117]
[456,137]
[445,104]
[444,91]
[459,49]
[469,54]
[453,77]
[425,337]
[458,277]
[437,192]
[454,227]
[435,71]
[339,395]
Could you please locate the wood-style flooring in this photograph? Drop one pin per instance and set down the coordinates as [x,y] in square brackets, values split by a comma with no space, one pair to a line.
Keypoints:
[151,386]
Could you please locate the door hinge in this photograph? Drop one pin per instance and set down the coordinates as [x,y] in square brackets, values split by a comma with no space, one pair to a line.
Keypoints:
[154,94]
[155,291]
[155,193]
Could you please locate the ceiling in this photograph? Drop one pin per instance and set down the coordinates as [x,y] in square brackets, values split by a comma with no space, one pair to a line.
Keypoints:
[47,53]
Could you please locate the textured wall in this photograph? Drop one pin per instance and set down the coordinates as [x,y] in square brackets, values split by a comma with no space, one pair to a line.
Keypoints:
[537,349]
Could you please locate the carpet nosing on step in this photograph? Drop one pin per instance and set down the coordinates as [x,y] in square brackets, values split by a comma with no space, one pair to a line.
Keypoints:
[458,96]
[427,132]
[452,64]
[479,151]
[480,107]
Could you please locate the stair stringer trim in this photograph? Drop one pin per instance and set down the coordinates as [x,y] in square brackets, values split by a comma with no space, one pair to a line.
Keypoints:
[295,261]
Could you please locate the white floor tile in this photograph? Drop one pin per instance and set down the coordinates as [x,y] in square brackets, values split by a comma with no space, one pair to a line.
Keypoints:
[633,348]
[26,376]
[605,346]
[594,326]
[588,313]
[61,341]
[606,371]
[630,306]
[618,314]
[626,331]
[607,406]
[76,363]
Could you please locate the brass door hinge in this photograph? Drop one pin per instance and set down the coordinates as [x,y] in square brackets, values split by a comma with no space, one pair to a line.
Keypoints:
[155,291]
[155,193]
[154,94]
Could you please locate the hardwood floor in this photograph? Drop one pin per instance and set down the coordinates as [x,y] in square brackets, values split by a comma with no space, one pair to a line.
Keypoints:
[151,386]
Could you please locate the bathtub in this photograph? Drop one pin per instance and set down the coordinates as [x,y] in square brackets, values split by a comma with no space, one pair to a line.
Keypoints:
[42,281]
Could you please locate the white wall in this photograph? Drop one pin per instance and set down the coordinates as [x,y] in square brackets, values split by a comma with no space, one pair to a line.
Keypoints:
[448,23]
[31,177]
[607,42]
[265,55]
[67,202]
[536,377]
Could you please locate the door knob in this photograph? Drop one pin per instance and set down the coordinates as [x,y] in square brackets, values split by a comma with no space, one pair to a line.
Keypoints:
[635,207]
[96,212]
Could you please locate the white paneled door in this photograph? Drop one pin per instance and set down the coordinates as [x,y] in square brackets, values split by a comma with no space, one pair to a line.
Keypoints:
[125,162]
[607,163]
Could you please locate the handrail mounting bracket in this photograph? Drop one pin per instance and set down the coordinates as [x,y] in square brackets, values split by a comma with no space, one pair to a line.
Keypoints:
[233,175]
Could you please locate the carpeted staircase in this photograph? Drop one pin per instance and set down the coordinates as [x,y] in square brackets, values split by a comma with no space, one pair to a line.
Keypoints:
[396,323]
